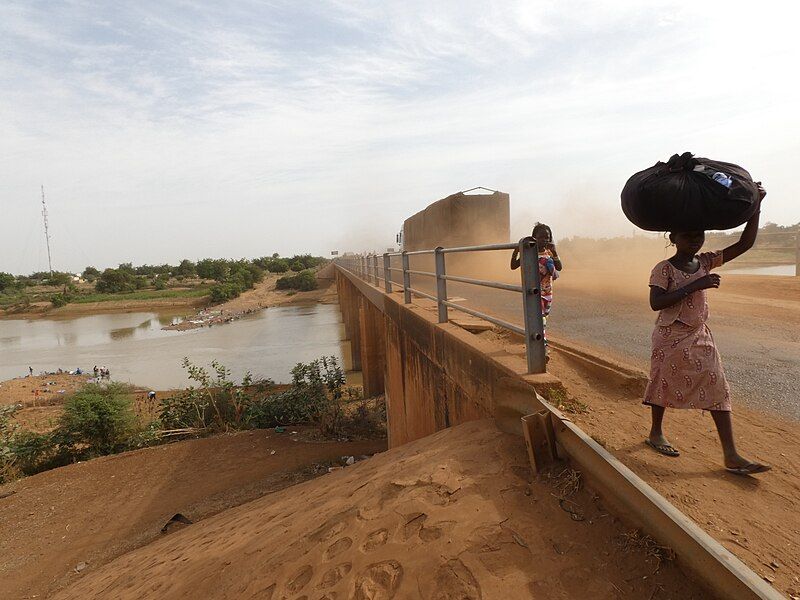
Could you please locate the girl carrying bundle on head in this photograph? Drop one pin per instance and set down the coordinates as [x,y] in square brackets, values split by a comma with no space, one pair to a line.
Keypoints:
[685,368]
[549,266]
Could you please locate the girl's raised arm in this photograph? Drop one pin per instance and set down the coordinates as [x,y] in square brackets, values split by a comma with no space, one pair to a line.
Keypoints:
[748,235]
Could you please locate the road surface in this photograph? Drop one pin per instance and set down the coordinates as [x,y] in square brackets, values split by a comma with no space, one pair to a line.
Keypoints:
[758,337]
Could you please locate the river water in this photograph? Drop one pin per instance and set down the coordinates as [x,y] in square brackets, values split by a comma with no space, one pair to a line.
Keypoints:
[135,348]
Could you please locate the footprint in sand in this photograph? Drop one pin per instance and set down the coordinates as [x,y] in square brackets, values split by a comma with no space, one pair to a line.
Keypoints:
[452,581]
[300,579]
[254,590]
[334,575]
[338,547]
[430,533]
[332,527]
[379,581]
[374,540]
[413,525]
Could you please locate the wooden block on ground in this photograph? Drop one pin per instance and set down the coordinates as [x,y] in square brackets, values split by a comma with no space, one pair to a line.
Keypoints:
[540,440]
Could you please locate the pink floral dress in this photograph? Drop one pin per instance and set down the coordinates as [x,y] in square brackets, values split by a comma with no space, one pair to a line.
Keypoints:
[685,369]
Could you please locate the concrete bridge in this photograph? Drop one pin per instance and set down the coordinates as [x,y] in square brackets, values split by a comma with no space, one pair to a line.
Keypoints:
[437,374]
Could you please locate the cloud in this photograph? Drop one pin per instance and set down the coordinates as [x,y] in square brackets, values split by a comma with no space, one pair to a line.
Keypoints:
[164,130]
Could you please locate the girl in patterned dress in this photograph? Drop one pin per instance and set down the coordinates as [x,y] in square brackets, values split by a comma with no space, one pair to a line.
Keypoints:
[685,369]
[549,267]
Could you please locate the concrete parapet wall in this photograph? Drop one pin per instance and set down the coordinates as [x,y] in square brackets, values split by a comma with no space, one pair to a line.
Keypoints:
[434,375]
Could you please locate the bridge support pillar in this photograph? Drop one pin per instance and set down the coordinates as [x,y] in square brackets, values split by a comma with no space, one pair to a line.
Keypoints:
[372,347]
[349,304]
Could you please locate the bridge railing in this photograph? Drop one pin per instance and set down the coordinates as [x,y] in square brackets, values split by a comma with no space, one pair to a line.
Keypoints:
[370,269]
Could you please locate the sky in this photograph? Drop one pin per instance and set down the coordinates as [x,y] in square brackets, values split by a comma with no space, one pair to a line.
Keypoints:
[171,129]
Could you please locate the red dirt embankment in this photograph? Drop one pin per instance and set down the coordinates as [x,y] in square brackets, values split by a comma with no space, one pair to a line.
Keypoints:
[454,515]
[95,511]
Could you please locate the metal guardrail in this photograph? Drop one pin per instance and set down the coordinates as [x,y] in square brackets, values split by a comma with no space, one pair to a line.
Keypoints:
[365,266]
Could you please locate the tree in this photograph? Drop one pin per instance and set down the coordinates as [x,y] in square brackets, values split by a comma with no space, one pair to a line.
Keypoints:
[90,273]
[211,268]
[115,280]
[279,265]
[297,266]
[7,281]
[186,269]
[59,278]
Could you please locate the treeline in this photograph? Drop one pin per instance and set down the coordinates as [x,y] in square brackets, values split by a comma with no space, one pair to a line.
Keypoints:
[770,235]
[230,277]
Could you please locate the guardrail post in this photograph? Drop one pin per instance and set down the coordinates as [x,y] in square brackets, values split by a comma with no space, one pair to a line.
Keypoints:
[362,270]
[532,306]
[387,273]
[375,269]
[441,284]
[797,251]
[406,280]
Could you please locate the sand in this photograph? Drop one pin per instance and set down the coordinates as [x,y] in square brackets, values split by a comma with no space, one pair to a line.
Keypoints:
[455,515]
[94,511]
[52,389]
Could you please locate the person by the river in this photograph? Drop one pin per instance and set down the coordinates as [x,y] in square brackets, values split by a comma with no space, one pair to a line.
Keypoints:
[685,368]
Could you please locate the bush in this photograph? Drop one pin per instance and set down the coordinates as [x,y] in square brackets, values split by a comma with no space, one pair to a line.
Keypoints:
[315,397]
[113,281]
[7,281]
[223,292]
[60,299]
[97,420]
[278,265]
[304,281]
[297,266]
[22,452]
[217,403]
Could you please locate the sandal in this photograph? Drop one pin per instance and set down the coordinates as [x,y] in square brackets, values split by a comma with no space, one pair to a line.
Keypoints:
[749,469]
[665,449]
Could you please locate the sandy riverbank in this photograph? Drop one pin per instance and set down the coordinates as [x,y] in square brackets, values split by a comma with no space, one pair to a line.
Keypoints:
[263,295]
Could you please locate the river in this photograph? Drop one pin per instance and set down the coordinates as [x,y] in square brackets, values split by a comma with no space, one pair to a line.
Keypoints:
[135,348]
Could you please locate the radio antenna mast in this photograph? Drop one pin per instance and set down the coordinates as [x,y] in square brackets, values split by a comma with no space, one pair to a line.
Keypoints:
[46,234]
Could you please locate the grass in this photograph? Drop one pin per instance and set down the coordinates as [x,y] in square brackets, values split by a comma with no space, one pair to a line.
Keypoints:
[142,295]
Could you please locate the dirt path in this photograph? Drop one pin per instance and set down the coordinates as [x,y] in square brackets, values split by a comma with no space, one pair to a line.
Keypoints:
[93,512]
[756,518]
[454,515]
